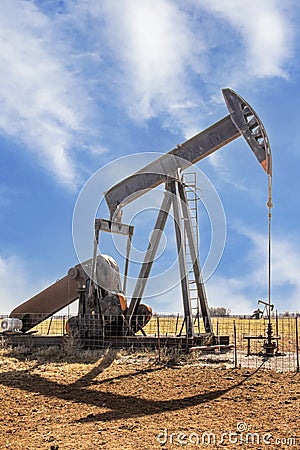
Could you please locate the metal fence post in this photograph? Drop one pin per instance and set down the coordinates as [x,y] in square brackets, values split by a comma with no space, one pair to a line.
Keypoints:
[297,343]
[158,338]
[235,349]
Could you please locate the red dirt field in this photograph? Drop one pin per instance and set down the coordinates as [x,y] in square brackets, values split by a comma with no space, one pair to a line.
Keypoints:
[119,401]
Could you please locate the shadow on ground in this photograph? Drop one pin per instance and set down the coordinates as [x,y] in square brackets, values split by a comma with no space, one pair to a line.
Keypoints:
[118,406]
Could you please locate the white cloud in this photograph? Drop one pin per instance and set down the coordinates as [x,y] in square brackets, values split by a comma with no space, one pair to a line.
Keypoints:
[16,284]
[41,102]
[154,58]
[241,293]
[224,170]
[285,261]
[265,30]
[152,55]
[155,46]
[230,294]
[163,53]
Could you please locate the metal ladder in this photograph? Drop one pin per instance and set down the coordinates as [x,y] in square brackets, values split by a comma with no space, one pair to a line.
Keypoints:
[190,185]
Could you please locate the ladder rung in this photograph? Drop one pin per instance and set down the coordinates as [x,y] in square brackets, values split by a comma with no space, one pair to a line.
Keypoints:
[190,187]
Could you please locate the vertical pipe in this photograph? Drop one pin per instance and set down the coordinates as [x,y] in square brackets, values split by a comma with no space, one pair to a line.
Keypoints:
[198,322]
[217,333]
[63,325]
[276,329]
[297,343]
[94,264]
[128,249]
[270,206]
[235,349]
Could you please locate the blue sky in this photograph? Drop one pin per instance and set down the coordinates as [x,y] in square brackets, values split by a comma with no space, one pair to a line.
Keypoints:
[84,83]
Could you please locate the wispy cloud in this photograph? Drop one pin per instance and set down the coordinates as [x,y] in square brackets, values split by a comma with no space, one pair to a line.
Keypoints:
[16,283]
[162,52]
[240,293]
[285,261]
[265,30]
[224,169]
[155,46]
[150,59]
[230,293]
[42,103]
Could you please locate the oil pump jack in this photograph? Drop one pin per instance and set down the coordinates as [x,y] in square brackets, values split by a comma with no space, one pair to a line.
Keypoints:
[103,309]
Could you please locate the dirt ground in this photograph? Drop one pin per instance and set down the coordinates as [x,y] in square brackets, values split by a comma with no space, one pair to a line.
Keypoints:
[121,401]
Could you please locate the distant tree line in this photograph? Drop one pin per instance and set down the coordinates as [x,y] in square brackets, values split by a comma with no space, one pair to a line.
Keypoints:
[288,314]
[219,311]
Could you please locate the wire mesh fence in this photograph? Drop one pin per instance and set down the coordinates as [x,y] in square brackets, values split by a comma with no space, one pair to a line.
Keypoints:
[247,337]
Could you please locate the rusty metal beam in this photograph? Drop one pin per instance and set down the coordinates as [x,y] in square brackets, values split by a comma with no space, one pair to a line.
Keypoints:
[181,157]
[242,120]
[46,303]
